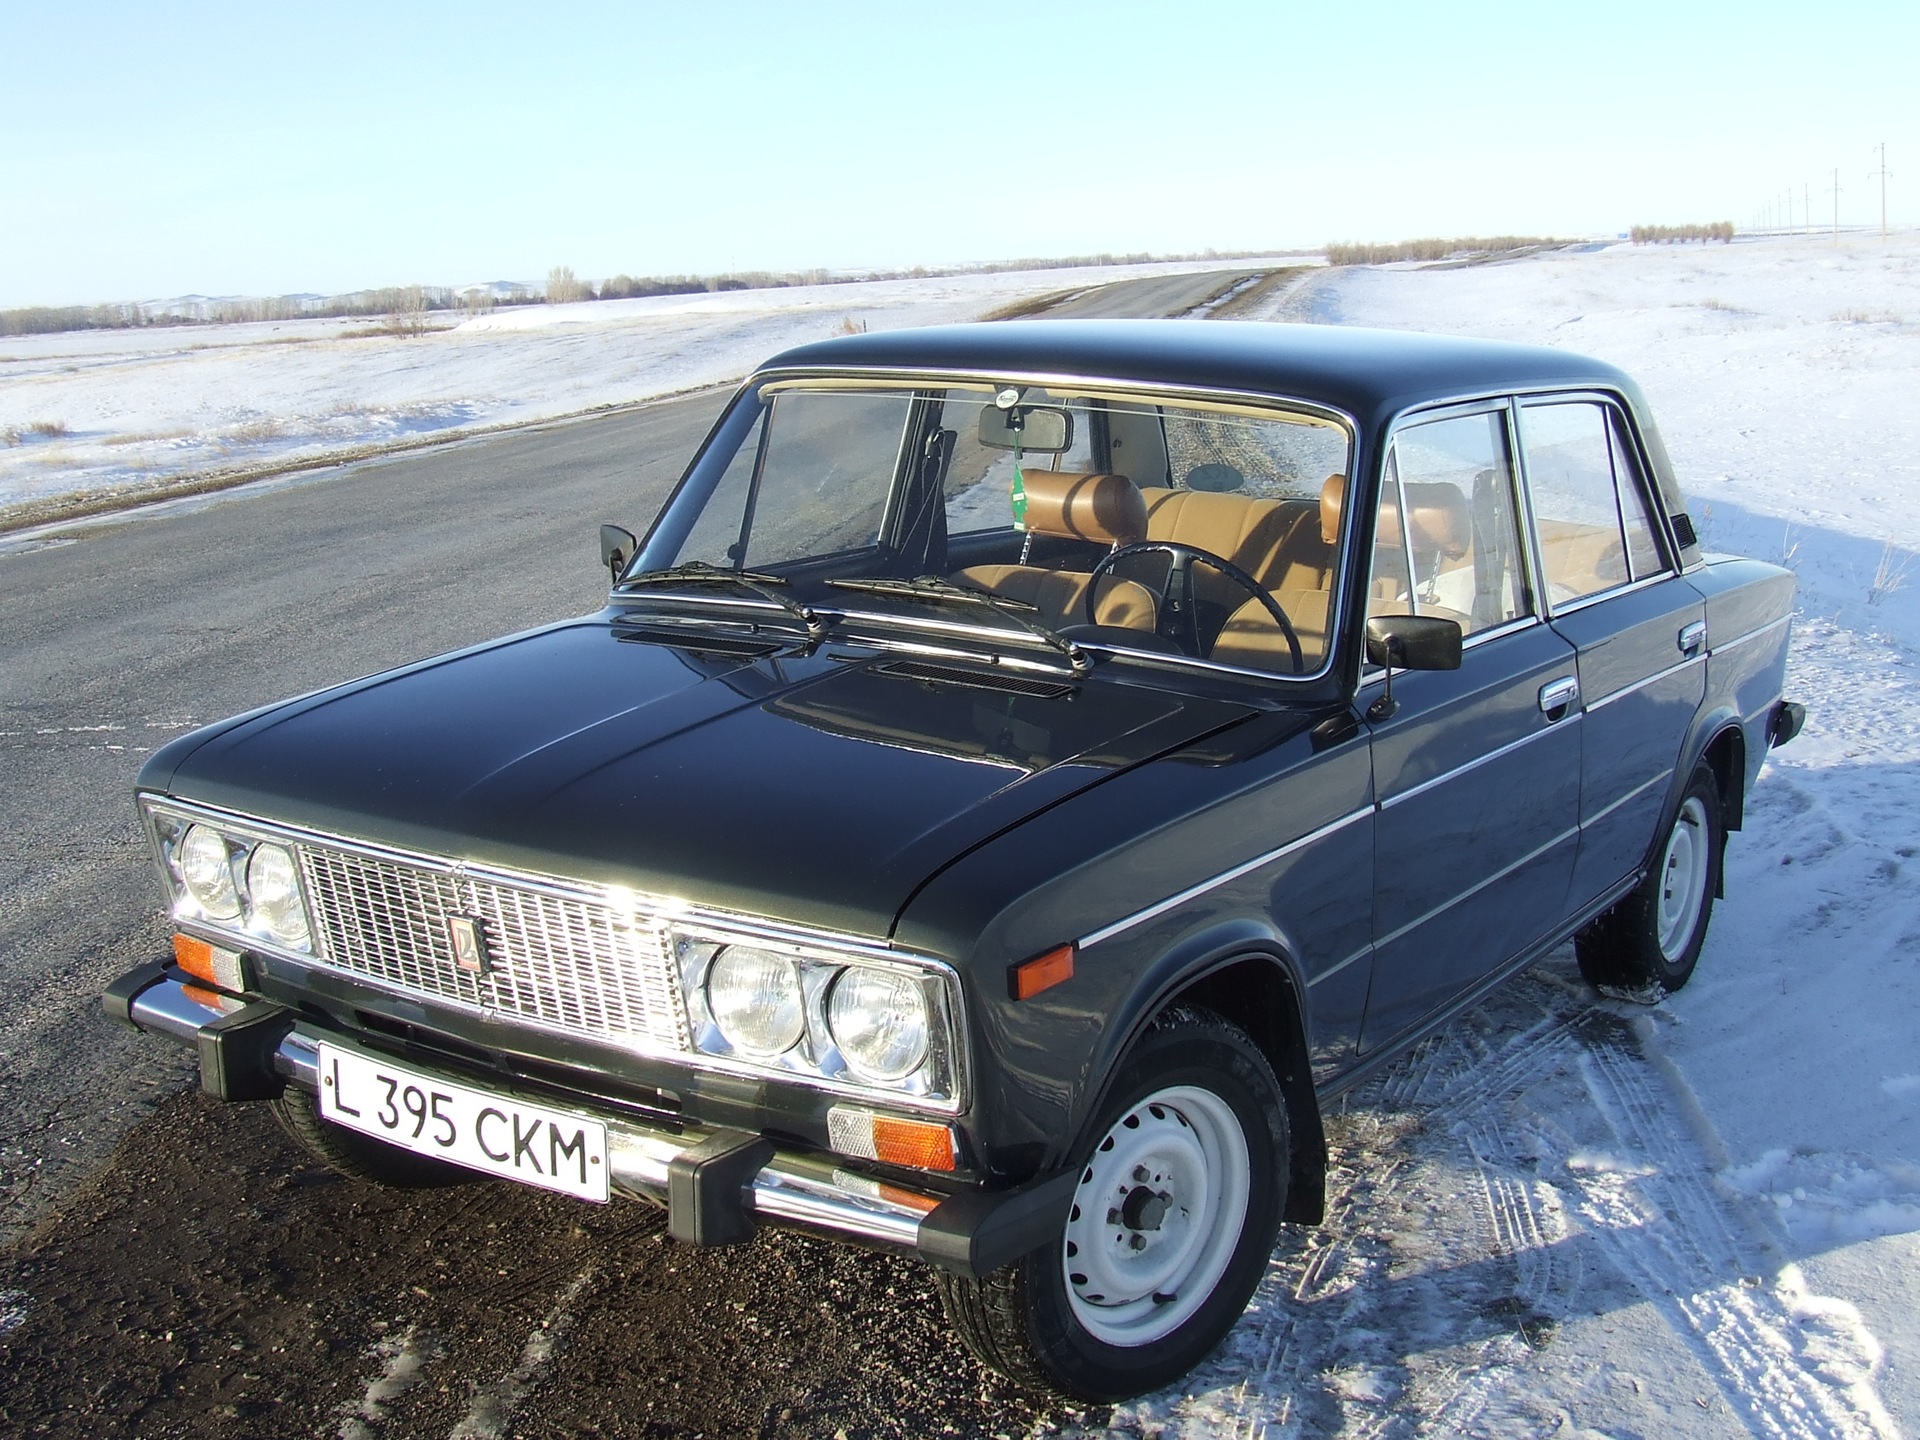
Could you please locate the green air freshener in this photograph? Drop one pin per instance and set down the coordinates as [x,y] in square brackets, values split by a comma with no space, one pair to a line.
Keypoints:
[1019,491]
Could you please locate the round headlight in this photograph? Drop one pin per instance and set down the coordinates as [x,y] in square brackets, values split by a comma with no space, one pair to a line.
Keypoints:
[754,997]
[208,874]
[879,1021]
[273,886]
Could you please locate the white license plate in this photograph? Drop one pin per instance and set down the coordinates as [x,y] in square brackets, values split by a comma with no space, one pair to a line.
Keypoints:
[486,1132]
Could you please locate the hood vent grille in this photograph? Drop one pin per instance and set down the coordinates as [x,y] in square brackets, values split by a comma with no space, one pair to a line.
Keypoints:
[929,672]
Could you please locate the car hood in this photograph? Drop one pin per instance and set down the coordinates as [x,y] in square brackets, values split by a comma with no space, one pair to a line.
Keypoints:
[821,789]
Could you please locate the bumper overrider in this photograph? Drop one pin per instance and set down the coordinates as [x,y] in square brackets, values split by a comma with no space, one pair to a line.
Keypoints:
[717,1185]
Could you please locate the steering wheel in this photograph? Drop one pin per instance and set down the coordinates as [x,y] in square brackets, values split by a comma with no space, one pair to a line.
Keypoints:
[1177,594]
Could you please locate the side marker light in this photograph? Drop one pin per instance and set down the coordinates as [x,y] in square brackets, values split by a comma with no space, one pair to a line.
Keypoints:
[1042,972]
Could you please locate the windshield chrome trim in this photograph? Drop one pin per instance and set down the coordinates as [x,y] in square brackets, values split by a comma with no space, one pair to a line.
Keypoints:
[1246,867]
[1259,400]
[1276,405]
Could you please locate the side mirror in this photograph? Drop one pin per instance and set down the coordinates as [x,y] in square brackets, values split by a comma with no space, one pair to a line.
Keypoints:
[1413,642]
[616,549]
[1409,642]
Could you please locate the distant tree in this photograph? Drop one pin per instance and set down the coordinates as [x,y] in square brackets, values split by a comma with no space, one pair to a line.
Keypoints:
[409,313]
[563,287]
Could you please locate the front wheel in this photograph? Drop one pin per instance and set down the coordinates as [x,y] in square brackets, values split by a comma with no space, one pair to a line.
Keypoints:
[1653,937]
[1179,1199]
[357,1156]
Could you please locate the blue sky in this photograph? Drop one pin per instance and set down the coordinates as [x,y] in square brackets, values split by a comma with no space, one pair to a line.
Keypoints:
[150,150]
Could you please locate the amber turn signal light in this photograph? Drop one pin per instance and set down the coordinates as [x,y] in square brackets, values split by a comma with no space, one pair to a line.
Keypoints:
[219,967]
[1042,972]
[922,1144]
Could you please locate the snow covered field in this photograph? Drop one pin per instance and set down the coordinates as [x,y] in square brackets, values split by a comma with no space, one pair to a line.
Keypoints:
[1575,1216]
[116,410]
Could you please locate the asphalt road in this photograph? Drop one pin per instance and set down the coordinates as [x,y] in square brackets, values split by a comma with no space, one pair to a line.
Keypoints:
[118,635]
[1162,295]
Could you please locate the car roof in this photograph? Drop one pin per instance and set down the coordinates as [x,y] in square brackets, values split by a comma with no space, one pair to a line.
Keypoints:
[1369,374]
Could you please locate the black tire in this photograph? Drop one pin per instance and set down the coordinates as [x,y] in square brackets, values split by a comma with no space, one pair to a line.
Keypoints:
[1653,937]
[1190,1085]
[357,1156]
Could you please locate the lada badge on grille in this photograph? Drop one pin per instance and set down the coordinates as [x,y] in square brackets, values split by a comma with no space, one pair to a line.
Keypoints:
[469,943]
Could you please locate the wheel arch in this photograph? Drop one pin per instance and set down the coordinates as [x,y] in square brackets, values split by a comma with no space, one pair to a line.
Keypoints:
[1251,981]
[1726,754]
[1720,745]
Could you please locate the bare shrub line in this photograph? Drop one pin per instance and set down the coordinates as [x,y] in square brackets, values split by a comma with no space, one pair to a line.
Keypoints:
[1721,230]
[1367,253]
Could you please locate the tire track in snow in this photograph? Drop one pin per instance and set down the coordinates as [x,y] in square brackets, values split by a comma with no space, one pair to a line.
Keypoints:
[1671,1232]
[1525,1167]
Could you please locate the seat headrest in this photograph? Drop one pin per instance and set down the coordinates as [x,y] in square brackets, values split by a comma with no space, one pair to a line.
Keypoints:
[1439,515]
[1103,507]
[1333,495]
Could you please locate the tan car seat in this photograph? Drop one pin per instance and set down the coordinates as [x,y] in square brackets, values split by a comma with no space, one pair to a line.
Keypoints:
[1105,508]
[1251,639]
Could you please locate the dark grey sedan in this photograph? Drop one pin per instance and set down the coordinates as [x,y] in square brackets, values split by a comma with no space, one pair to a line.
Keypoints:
[1020,776]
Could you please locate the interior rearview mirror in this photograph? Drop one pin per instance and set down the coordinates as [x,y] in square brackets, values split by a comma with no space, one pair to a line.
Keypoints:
[1413,642]
[1028,427]
[616,548]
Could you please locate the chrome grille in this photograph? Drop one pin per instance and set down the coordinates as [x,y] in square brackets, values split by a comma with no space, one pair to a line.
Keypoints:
[569,961]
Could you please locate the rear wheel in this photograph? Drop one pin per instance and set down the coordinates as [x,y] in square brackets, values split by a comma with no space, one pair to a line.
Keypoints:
[1179,1199]
[1653,937]
[357,1156]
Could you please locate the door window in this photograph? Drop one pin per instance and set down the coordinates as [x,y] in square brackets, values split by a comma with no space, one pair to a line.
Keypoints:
[1588,502]
[1446,541]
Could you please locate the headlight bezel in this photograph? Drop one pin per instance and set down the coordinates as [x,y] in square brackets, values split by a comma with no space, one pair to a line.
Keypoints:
[938,1082]
[167,826]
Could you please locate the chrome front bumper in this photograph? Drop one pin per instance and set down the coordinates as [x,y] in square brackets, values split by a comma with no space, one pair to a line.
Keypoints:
[973,1232]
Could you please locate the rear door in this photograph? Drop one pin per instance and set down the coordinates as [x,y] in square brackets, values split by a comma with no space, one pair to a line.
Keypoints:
[1477,771]
[1639,630]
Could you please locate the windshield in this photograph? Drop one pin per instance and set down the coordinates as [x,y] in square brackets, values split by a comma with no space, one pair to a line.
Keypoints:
[1159,525]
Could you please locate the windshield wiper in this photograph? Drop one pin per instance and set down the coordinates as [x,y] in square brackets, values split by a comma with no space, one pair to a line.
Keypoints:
[754,582]
[939,590]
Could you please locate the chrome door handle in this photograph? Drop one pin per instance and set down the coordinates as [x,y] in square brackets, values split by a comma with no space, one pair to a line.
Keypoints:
[1557,696]
[1692,637]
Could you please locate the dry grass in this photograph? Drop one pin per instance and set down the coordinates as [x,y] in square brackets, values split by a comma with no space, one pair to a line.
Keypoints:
[33,429]
[1866,317]
[257,431]
[145,437]
[850,326]
[1890,575]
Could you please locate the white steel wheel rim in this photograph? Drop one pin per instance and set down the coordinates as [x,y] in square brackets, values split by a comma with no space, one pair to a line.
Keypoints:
[1156,1217]
[1683,878]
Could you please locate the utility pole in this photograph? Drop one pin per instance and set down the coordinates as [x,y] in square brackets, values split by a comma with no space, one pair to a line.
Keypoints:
[1806,204]
[1882,173]
[1836,205]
